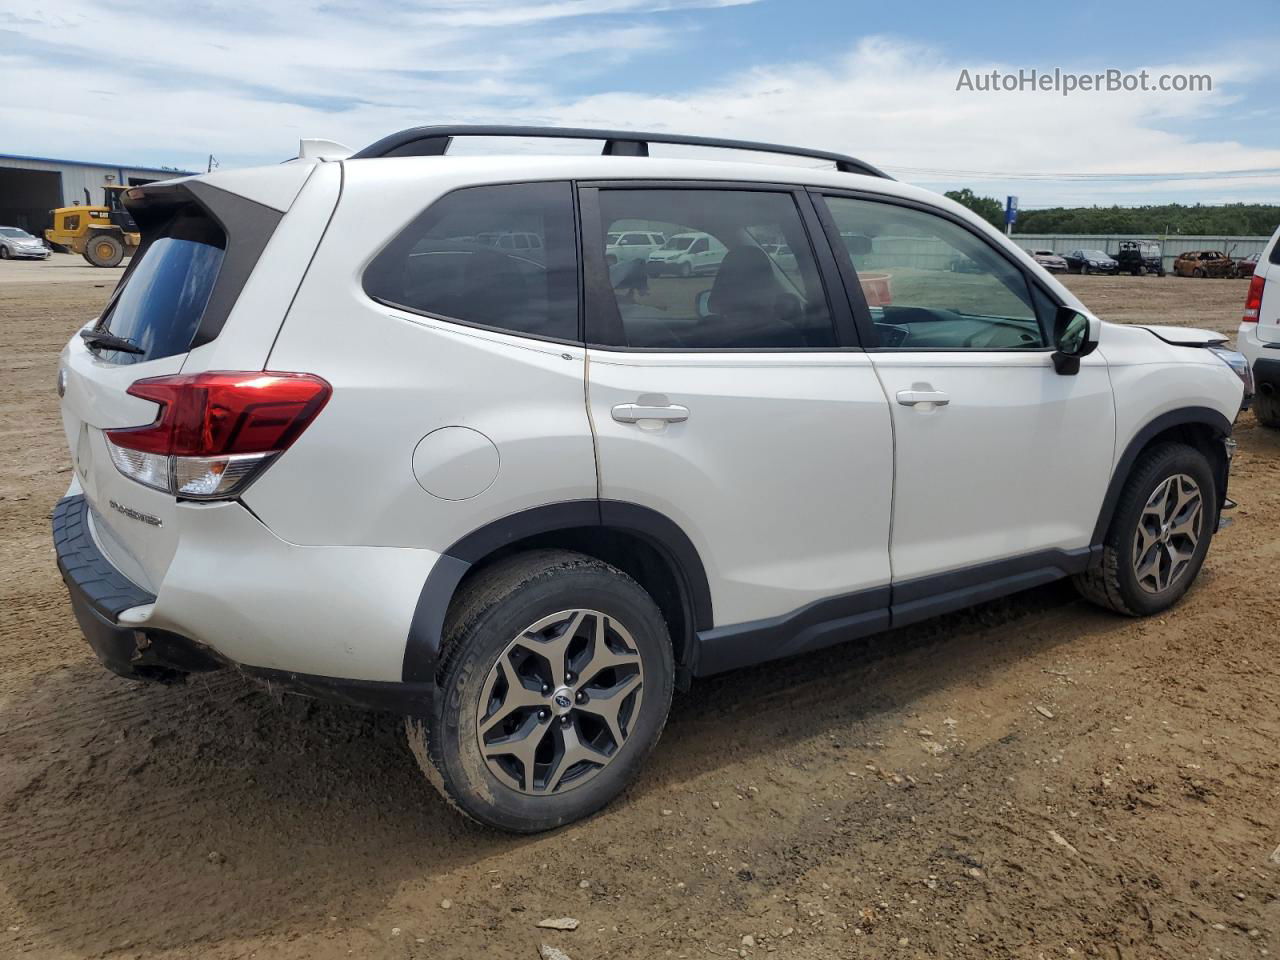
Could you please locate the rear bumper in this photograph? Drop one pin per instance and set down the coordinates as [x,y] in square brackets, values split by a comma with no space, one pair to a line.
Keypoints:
[99,593]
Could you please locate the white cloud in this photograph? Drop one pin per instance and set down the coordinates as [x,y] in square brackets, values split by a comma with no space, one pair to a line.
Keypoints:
[245,82]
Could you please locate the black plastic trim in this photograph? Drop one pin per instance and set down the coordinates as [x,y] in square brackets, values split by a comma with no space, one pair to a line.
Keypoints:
[249,227]
[812,627]
[434,141]
[924,597]
[422,646]
[865,612]
[104,588]
[1205,416]
[410,699]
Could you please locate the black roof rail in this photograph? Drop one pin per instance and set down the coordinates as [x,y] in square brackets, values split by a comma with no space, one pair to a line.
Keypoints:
[433,141]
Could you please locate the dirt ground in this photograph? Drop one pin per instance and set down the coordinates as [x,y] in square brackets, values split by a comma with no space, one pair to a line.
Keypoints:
[1032,778]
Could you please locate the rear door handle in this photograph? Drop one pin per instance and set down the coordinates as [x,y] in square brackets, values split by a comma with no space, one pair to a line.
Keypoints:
[631,412]
[909,398]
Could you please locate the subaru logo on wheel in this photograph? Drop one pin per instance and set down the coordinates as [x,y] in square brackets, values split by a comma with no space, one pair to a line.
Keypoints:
[563,701]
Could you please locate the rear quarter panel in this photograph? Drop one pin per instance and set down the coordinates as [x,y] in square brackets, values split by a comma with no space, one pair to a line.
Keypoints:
[398,376]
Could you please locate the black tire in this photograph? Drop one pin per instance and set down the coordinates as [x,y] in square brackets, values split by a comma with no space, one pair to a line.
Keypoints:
[686,270]
[1113,581]
[1266,409]
[4,253]
[492,610]
[104,250]
[1084,268]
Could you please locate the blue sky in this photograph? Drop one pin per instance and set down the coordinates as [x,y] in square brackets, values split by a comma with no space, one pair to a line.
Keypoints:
[244,81]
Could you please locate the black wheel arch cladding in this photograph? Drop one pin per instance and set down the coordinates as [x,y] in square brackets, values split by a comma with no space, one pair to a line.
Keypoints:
[426,628]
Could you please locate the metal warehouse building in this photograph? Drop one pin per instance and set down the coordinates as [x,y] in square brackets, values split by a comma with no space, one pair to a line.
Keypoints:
[32,186]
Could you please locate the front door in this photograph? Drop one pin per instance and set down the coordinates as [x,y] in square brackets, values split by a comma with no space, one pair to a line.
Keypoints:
[998,457]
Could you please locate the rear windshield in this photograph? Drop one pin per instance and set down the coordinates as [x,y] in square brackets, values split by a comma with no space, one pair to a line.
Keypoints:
[166,291]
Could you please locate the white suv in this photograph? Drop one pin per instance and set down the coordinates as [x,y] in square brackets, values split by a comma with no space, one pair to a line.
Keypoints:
[1259,335]
[322,433]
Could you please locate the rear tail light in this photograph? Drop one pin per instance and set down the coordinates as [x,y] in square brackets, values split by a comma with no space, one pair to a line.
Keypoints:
[1253,299]
[215,431]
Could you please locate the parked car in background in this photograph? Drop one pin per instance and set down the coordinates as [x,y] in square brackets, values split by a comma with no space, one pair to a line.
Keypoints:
[1140,256]
[780,253]
[17,244]
[1247,266]
[964,264]
[1090,261]
[1053,262]
[318,441]
[687,254]
[1259,335]
[1203,263]
[632,245]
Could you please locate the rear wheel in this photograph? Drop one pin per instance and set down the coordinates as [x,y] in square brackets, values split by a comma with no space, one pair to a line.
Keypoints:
[104,250]
[1159,534]
[1266,408]
[556,682]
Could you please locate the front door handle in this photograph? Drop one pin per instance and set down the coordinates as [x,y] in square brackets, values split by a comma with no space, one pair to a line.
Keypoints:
[909,398]
[631,412]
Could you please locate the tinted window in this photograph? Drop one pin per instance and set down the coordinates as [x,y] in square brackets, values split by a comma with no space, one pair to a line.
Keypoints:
[930,283]
[166,292]
[715,284]
[459,260]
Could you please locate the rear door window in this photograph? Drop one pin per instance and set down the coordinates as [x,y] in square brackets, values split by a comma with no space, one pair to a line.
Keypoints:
[526,283]
[166,292]
[718,283]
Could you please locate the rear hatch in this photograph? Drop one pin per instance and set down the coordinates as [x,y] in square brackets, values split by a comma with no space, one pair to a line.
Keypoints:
[174,296]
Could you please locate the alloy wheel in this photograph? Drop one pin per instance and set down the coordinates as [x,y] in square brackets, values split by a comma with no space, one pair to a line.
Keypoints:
[1168,533]
[560,702]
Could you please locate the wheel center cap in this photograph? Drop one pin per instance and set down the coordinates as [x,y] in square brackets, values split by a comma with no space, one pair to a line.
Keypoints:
[562,701]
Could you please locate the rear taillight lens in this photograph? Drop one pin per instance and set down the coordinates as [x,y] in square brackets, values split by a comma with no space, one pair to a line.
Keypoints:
[215,431]
[1253,299]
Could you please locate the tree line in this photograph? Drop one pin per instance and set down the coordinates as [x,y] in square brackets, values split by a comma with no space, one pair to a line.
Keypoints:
[1230,219]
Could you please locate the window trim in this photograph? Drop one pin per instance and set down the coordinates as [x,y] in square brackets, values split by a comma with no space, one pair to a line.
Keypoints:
[858,302]
[576,241]
[603,322]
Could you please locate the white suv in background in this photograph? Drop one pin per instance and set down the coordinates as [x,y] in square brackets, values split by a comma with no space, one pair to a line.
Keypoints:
[631,245]
[323,434]
[1259,335]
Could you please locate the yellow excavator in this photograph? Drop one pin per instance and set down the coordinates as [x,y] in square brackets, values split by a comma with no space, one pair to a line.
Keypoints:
[103,235]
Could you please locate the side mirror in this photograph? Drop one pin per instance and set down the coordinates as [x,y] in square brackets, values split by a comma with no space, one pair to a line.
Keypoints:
[1074,336]
[702,303]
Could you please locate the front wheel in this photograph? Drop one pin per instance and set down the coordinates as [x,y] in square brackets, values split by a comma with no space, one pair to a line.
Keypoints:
[556,681]
[104,250]
[1084,268]
[1159,534]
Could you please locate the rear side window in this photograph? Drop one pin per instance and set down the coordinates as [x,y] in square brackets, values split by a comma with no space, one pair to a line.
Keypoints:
[502,257]
[166,292]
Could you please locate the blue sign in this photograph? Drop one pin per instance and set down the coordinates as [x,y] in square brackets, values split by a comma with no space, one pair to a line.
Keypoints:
[1010,210]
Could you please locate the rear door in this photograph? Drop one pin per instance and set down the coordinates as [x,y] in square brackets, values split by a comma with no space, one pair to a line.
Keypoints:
[730,403]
